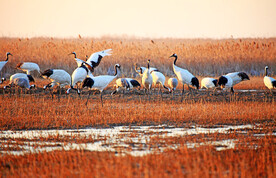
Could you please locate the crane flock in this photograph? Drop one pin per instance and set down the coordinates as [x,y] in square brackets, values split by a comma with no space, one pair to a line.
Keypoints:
[82,77]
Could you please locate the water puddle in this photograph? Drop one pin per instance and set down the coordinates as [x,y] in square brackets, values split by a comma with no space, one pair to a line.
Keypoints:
[134,140]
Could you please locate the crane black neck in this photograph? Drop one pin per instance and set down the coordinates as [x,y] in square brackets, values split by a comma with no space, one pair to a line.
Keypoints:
[116,70]
[265,71]
[148,65]
[75,55]
[175,59]
[85,67]
[7,57]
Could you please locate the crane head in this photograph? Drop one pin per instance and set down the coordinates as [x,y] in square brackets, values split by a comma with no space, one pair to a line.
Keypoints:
[73,53]
[118,66]
[8,53]
[174,55]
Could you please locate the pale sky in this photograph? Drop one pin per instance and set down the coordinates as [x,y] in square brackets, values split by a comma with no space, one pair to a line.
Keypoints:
[140,18]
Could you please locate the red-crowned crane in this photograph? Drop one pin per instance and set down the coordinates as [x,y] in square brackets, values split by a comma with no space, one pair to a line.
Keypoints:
[172,82]
[157,77]
[99,82]
[57,77]
[126,83]
[208,83]
[3,63]
[28,67]
[141,70]
[238,77]
[269,82]
[20,82]
[147,78]
[78,61]
[79,75]
[95,58]
[184,76]
[22,75]
[226,82]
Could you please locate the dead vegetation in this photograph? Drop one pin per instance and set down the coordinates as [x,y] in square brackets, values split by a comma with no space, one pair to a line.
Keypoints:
[45,111]
[252,156]
[202,57]
[204,161]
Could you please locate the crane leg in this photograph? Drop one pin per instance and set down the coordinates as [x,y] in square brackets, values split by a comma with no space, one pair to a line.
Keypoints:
[88,97]
[232,90]
[182,93]
[214,91]
[172,94]
[102,99]
[58,92]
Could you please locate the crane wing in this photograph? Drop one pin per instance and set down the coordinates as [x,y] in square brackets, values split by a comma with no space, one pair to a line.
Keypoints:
[95,59]
[79,61]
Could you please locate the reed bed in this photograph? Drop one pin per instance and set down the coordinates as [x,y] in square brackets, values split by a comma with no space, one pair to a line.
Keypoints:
[203,57]
[44,112]
[203,161]
[252,157]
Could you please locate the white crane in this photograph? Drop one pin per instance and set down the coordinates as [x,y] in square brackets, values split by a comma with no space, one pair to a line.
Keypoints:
[238,77]
[147,78]
[184,76]
[172,82]
[3,63]
[78,61]
[99,82]
[28,67]
[57,77]
[269,82]
[79,75]
[126,83]
[22,75]
[141,70]
[157,77]
[95,58]
[20,82]
[208,83]
[226,82]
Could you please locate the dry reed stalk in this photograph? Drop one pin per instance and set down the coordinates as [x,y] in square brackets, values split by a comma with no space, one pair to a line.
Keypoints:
[45,112]
[202,57]
[203,161]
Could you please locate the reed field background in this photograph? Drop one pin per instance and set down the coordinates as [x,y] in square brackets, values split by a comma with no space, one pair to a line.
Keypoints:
[202,57]
[252,156]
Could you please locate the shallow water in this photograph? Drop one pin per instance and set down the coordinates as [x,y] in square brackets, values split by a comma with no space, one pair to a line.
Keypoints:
[121,139]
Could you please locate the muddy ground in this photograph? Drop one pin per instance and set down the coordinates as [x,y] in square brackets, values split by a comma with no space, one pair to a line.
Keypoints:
[155,95]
